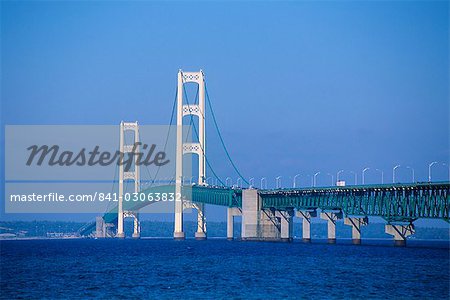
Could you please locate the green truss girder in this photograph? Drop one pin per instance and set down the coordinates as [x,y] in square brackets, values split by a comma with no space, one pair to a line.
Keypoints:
[397,202]
[393,202]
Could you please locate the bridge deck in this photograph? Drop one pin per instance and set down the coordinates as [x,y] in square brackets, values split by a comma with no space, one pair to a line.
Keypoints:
[394,202]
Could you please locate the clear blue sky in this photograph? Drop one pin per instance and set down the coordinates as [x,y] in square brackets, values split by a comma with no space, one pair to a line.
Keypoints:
[296,86]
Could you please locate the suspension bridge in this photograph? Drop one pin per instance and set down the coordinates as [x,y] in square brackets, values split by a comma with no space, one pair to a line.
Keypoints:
[267,214]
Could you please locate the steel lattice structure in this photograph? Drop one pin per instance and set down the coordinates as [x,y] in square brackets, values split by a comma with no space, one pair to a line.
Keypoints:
[393,202]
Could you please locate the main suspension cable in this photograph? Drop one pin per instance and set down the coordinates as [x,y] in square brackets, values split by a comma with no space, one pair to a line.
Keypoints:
[220,136]
[197,136]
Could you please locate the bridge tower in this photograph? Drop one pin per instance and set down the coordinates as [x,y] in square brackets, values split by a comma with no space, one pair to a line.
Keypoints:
[128,175]
[194,148]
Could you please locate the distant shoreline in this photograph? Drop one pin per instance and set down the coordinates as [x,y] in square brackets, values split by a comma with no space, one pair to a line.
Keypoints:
[160,230]
[209,238]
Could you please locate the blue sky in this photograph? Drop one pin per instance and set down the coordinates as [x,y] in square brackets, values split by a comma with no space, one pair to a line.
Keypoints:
[297,87]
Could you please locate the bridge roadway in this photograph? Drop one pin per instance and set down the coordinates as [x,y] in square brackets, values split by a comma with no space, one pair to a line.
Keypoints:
[393,202]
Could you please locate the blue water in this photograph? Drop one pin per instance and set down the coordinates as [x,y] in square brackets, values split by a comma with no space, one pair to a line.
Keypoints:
[219,269]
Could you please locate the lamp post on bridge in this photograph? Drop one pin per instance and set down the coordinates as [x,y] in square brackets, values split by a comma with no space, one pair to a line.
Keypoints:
[363,174]
[413,175]
[264,179]
[251,182]
[337,175]
[226,181]
[429,170]
[314,178]
[382,175]
[393,172]
[293,184]
[278,182]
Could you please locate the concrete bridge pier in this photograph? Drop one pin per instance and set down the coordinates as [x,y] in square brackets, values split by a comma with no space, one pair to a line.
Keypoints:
[356,224]
[331,218]
[178,233]
[400,232]
[136,226]
[286,224]
[201,221]
[100,227]
[306,215]
[231,213]
[120,216]
[258,224]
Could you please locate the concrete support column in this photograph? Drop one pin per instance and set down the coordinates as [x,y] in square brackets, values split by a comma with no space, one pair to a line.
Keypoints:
[231,213]
[306,215]
[100,227]
[250,214]
[356,224]
[201,222]
[331,218]
[400,233]
[178,233]
[136,227]
[286,227]
[286,224]
[120,232]
[230,223]
[257,224]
